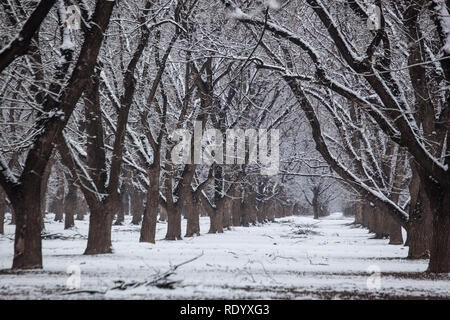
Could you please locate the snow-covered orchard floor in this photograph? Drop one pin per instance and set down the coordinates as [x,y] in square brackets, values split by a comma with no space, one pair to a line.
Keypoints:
[294,258]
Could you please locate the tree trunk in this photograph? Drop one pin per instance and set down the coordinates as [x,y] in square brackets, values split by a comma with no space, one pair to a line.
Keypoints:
[371,218]
[253,214]
[44,184]
[315,205]
[212,223]
[365,215]
[259,211]
[120,216]
[378,223]
[219,218]
[82,207]
[385,224]
[291,210]
[215,217]
[58,202]
[149,221]
[358,213]
[227,212]
[13,215]
[124,205]
[236,208]
[272,211]
[420,227]
[278,209]
[173,223]
[162,213]
[244,208]
[262,211]
[394,231]
[418,240]
[148,229]
[136,206]
[99,236]
[2,210]
[236,212]
[192,215]
[70,204]
[27,240]
[440,245]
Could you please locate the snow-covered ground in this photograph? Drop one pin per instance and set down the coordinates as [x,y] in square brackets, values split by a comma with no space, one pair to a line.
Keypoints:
[296,257]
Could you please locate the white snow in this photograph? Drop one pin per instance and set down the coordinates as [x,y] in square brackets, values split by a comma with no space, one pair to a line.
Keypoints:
[296,257]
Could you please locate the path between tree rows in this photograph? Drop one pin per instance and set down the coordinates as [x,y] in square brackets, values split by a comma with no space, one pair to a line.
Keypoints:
[295,257]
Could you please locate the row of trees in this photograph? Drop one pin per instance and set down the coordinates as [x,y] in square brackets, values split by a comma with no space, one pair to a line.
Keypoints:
[102,104]
[95,109]
[384,90]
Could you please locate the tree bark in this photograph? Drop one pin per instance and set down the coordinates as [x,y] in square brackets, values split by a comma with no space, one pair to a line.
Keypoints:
[365,215]
[192,215]
[137,206]
[236,207]
[162,213]
[315,205]
[252,211]
[227,212]
[440,245]
[44,184]
[358,213]
[418,240]
[260,212]
[13,216]
[70,203]
[244,208]
[378,223]
[27,241]
[394,231]
[148,229]
[124,205]
[82,207]
[420,226]
[291,210]
[99,236]
[370,218]
[212,222]
[216,220]
[2,210]
[173,223]
[58,201]
[271,211]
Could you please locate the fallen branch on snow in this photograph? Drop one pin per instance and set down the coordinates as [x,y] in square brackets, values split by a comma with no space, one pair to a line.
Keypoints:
[159,281]
[60,236]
